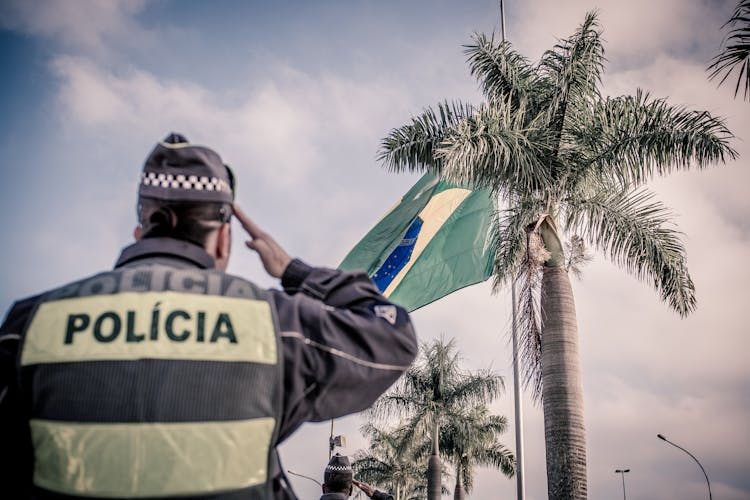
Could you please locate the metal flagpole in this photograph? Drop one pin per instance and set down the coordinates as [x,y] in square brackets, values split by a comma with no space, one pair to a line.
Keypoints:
[330,442]
[502,19]
[520,484]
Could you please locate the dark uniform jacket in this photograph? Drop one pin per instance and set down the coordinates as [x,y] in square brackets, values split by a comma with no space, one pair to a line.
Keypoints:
[329,345]
[378,495]
[334,496]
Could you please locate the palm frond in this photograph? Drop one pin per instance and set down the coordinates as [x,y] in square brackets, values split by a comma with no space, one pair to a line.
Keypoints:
[369,468]
[510,237]
[412,146]
[495,148]
[634,138]
[499,457]
[502,73]
[529,318]
[394,441]
[575,66]
[396,403]
[470,437]
[519,256]
[736,51]
[476,388]
[633,230]
[576,255]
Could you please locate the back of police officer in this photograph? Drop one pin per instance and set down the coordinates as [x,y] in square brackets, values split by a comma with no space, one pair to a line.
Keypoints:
[167,377]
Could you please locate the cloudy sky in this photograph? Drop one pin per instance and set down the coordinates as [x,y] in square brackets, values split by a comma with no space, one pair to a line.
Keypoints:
[296,96]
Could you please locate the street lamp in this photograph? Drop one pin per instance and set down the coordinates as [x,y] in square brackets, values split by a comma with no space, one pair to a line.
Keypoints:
[334,441]
[306,477]
[660,436]
[622,473]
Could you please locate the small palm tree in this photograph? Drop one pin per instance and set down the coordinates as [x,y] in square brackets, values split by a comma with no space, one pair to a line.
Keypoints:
[389,463]
[736,50]
[434,390]
[472,439]
[564,159]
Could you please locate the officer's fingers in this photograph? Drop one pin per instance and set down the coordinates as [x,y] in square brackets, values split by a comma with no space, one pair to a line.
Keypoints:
[369,490]
[274,262]
[250,226]
[247,223]
[264,250]
[259,246]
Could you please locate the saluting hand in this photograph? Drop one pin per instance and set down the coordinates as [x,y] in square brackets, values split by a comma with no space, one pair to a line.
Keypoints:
[369,490]
[274,257]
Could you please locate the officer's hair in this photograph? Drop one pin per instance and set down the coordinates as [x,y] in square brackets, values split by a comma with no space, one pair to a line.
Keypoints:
[338,483]
[189,221]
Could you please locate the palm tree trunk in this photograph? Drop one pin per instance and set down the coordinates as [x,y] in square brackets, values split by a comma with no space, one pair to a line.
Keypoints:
[458,493]
[434,485]
[562,389]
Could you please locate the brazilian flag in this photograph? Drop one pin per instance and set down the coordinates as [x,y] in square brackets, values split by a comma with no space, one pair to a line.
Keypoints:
[436,240]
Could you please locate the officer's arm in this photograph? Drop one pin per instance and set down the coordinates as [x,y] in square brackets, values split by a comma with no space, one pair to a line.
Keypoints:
[15,439]
[344,343]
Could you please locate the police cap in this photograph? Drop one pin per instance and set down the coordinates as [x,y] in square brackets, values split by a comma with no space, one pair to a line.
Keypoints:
[179,171]
[339,464]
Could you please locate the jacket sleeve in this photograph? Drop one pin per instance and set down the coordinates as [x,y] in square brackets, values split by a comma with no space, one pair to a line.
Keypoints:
[343,343]
[16,458]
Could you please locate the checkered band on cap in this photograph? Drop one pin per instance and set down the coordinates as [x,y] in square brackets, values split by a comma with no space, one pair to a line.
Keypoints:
[339,468]
[181,181]
[339,465]
[182,172]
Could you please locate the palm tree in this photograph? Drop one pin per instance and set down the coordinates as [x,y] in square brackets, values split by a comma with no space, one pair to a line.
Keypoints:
[564,159]
[434,390]
[736,50]
[390,463]
[471,439]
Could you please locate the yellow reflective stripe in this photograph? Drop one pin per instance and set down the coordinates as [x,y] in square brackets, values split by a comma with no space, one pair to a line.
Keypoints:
[433,215]
[150,459]
[163,325]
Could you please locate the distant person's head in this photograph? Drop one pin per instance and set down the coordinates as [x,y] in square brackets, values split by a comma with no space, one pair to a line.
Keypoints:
[338,475]
[186,193]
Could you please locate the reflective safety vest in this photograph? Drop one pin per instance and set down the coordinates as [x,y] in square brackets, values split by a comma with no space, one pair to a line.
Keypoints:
[153,381]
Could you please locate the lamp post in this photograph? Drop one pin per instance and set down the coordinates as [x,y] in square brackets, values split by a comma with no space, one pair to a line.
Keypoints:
[622,473]
[660,436]
[334,441]
[304,476]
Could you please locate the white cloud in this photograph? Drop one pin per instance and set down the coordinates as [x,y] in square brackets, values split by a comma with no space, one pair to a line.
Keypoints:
[86,26]
[281,120]
[634,31]
[269,129]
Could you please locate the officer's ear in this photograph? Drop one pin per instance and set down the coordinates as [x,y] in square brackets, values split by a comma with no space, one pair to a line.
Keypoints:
[225,240]
[223,245]
[137,233]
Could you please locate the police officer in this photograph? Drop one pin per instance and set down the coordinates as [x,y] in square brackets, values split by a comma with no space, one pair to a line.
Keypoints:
[337,479]
[167,377]
[339,482]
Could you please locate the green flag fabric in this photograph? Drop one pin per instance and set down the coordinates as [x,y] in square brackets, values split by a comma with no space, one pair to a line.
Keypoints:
[434,241]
